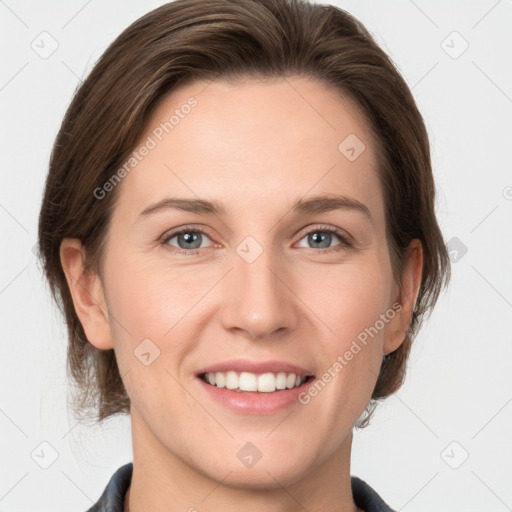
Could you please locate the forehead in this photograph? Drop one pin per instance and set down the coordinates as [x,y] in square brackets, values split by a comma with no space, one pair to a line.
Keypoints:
[251,144]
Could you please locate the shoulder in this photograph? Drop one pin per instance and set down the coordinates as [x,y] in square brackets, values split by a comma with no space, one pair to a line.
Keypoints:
[112,499]
[366,498]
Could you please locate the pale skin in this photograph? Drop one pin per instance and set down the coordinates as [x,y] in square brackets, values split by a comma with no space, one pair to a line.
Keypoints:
[255,147]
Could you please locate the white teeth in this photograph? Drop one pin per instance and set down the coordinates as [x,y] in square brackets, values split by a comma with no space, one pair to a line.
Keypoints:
[281,380]
[231,380]
[220,380]
[247,381]
[266,383]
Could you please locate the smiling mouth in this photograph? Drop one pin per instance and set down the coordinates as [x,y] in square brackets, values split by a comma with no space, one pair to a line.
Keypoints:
[269,382]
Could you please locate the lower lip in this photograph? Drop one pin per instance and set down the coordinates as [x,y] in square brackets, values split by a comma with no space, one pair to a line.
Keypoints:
[250,402]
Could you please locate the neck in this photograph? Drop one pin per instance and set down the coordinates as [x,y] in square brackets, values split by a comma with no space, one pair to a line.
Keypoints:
[161,481]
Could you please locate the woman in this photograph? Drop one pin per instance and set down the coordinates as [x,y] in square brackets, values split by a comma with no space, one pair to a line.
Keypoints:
[239,225]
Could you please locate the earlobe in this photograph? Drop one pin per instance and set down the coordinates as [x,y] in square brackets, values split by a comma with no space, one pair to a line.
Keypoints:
[87,293]
[411,282]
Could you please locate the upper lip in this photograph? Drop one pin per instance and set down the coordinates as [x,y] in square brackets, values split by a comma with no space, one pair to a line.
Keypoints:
[258,367]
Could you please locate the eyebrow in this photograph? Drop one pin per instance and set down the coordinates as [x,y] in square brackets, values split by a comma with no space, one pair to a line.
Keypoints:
[317,204]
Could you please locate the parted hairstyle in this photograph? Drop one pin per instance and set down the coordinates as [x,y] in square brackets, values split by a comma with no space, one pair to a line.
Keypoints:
[189,40]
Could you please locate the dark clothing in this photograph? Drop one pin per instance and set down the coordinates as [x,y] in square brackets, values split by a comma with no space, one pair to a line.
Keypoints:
[112,499]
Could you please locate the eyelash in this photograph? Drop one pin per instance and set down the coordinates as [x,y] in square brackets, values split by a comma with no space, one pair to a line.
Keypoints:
[346,241]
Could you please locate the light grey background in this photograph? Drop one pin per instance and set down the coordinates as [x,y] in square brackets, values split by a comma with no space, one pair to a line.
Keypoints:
[457,399]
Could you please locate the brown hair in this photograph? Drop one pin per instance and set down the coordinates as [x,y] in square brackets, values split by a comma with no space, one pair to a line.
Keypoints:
[230,39]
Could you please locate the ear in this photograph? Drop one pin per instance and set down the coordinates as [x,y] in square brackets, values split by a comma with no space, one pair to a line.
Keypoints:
[406,296]
[87,293]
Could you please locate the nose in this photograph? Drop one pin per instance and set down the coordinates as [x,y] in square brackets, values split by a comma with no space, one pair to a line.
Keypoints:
[258,297]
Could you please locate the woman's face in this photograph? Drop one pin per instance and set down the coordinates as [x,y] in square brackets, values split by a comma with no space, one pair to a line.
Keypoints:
[272,283]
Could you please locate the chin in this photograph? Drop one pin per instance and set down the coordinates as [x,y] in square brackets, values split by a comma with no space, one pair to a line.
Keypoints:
[270,475]
[262,463]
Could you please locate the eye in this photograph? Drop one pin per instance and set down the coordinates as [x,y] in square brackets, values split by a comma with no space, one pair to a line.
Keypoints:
[189,240]
[321,237]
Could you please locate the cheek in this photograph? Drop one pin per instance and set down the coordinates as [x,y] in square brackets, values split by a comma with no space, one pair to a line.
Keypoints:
[156,310]
[150,309]
[347,298]
[149,300]
[350,303]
